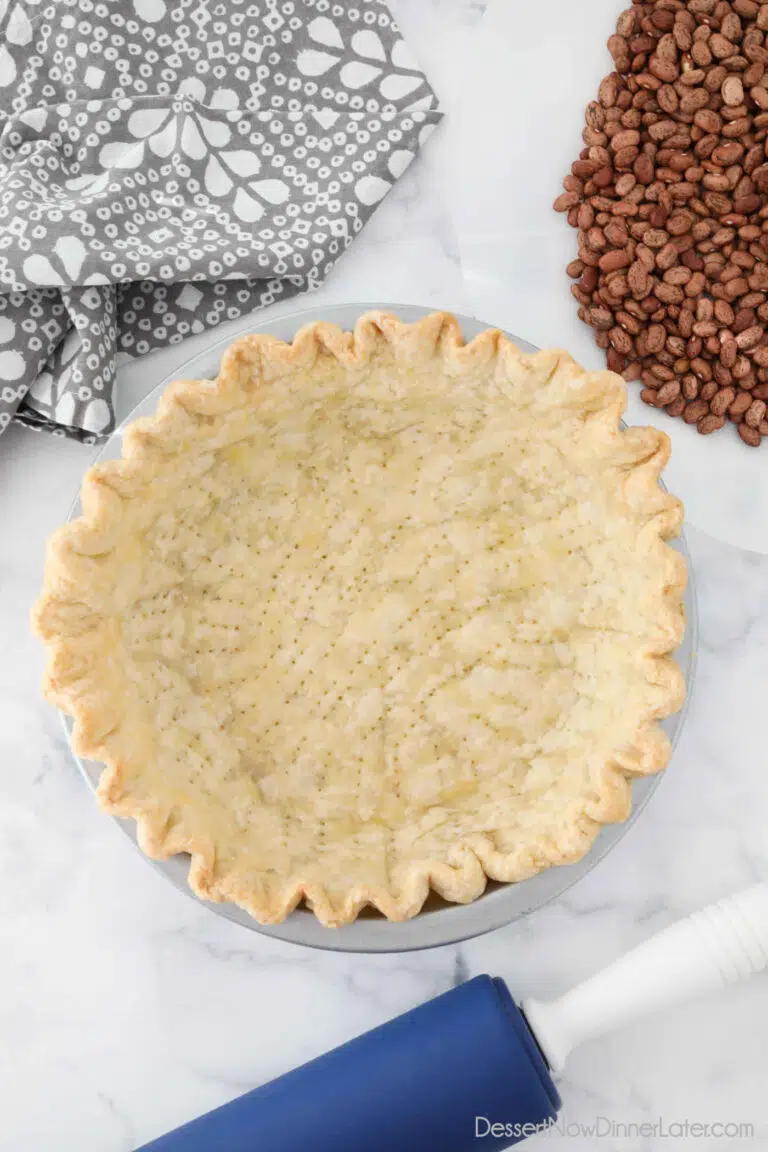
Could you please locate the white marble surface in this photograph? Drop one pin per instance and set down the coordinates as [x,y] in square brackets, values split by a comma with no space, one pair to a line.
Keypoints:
[127,1009]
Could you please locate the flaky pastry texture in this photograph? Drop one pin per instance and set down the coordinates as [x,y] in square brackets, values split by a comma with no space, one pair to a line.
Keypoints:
[371,613]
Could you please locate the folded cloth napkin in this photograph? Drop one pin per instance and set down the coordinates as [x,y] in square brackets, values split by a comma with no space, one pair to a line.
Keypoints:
[166,165]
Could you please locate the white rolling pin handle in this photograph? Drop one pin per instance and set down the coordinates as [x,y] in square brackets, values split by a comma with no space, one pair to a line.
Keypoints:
[717,946]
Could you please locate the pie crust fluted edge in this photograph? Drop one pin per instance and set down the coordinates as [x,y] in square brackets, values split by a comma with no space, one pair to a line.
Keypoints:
[72,680]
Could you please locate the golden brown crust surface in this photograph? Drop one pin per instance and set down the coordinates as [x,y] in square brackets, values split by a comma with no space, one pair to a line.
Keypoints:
[371,613]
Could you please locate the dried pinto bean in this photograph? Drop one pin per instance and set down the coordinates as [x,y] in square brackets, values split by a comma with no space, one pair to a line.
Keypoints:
[670,196]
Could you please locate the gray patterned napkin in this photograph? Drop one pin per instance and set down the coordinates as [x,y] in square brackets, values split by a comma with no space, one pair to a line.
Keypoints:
[166,165]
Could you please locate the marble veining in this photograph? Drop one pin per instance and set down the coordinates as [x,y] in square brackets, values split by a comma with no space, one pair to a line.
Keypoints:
[129,1008]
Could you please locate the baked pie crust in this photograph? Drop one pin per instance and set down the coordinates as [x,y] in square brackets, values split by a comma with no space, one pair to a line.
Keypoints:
[371,613]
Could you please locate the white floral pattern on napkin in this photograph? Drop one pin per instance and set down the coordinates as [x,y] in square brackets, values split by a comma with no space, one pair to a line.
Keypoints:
[167,166]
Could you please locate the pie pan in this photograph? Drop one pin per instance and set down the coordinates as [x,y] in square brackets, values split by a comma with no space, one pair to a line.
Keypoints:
[439,923]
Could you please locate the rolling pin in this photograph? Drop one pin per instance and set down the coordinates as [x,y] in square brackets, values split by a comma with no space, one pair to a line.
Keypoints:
[470,1070]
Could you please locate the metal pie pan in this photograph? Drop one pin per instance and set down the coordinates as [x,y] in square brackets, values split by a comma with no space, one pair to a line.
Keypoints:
[439,923]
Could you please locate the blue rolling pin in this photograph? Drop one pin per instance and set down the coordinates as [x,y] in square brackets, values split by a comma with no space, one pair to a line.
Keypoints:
[469,1070]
